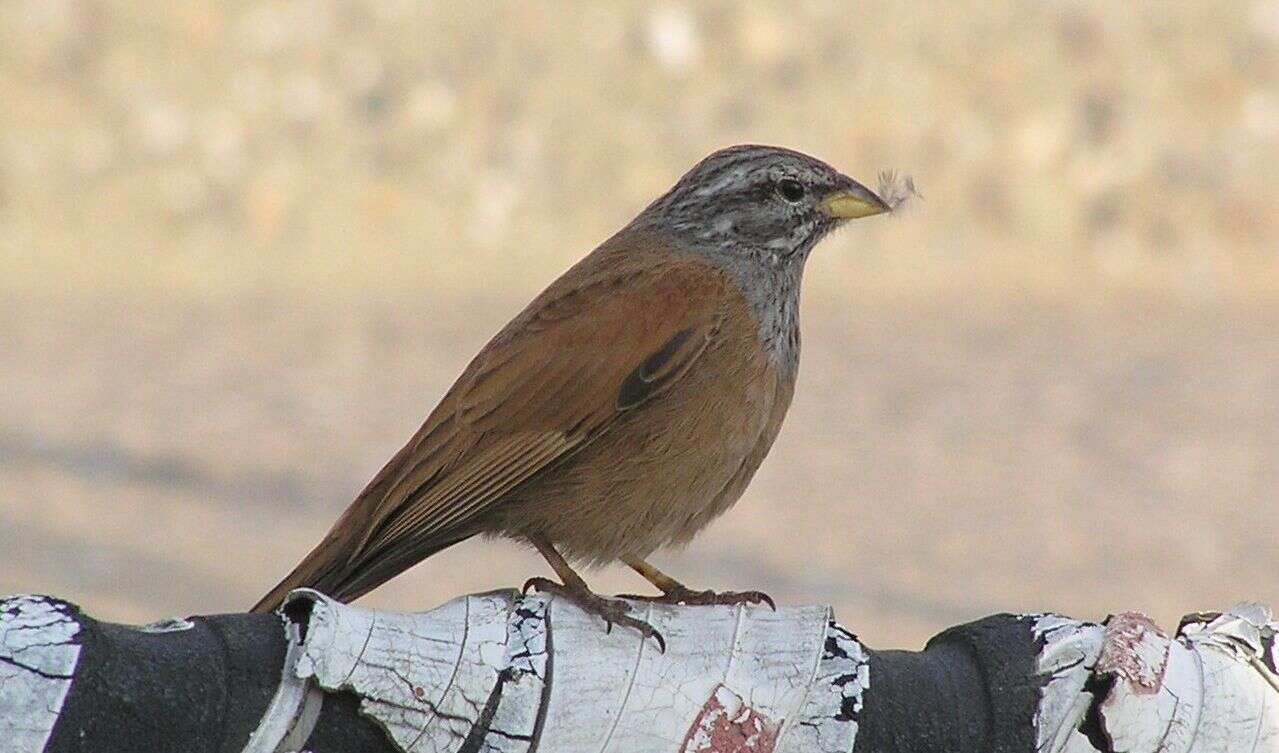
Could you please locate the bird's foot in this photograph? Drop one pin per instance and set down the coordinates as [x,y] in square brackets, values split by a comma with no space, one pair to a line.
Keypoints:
[690,596]
[612,611]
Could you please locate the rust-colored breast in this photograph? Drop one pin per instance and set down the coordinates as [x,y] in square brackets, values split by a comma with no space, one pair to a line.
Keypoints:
[662,469]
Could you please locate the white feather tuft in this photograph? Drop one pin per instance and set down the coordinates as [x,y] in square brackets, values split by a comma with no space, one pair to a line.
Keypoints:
[896,189]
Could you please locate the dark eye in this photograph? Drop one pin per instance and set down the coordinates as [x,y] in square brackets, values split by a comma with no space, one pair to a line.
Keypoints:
[790,189]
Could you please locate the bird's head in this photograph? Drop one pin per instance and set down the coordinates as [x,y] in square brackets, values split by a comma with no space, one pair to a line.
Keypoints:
[759,200]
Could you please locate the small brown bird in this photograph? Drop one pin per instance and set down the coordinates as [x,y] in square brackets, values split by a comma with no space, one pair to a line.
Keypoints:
[627,406]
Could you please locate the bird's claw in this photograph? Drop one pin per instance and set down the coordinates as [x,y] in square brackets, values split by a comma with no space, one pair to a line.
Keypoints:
[612,611]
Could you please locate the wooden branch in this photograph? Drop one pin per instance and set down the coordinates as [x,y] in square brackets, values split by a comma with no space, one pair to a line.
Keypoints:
[501,672]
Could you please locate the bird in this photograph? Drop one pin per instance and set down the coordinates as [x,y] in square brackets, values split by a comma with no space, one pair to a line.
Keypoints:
[626,407]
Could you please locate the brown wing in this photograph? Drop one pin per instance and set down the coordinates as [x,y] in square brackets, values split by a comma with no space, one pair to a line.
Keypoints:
[611,334]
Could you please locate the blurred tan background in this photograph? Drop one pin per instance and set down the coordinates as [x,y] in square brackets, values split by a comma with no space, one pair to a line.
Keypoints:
[245,246]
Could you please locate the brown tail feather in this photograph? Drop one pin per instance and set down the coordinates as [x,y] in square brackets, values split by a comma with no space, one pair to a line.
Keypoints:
[317,570]
[326,570]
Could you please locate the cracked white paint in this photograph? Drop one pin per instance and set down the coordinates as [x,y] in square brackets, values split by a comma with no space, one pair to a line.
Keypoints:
[1070,650]
[294,708]
[525,661]
[1212,687]
[648,700]
[37,662]
[828,720]
[539,668]
[424,677]
[502,673]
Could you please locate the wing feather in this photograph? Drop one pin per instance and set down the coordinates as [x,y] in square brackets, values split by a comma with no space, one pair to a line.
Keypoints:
[615,332]
[469,489]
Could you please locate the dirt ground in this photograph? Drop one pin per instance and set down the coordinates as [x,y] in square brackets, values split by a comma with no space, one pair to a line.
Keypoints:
[244,247]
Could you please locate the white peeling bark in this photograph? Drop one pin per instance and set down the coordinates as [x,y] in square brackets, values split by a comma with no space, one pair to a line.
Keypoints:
[477,668]
[501,672]
[1129,686]
[291,715]
[37,660]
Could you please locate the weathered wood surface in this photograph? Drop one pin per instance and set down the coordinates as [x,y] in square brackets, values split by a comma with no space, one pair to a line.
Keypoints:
[502,672]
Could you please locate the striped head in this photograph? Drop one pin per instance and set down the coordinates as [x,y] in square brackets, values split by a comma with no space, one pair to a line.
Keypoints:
[763,202]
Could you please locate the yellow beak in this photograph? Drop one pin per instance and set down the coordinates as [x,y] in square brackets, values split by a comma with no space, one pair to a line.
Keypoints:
[853,203]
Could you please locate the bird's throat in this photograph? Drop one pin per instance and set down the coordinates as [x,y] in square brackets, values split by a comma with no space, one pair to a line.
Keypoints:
[772,290]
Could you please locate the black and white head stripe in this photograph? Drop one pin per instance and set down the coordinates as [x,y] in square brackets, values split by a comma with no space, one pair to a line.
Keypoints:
[748,198]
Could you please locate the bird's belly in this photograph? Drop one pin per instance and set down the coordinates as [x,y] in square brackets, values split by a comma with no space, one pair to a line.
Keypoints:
[655,477]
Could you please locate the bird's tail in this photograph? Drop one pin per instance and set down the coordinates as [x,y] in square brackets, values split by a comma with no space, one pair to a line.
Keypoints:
[332,570]
[352,560]
[317,570]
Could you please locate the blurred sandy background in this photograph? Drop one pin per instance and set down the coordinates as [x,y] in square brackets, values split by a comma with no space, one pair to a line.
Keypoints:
[245,246]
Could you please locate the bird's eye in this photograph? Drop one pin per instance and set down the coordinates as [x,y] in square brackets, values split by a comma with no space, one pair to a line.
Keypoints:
[790,189]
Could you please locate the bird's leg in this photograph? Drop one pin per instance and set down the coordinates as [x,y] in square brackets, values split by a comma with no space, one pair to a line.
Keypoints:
[674,592]
[574,589]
